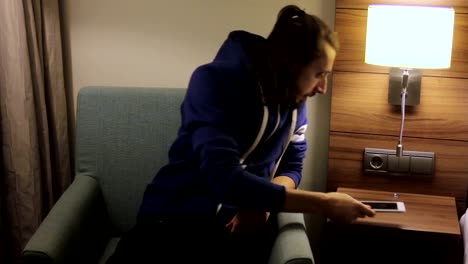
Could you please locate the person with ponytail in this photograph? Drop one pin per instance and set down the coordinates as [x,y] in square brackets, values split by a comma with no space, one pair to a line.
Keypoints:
[238,156]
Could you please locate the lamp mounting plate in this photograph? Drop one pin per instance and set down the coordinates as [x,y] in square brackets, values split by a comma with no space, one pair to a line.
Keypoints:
[395,87]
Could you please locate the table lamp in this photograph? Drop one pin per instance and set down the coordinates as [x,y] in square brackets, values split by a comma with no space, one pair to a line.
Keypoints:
[408,39]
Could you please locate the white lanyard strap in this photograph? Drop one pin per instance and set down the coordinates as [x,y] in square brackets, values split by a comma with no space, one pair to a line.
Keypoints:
[254,145]
[259,136]
[291,133]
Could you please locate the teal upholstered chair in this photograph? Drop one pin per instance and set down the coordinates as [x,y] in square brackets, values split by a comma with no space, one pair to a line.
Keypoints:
[123,135]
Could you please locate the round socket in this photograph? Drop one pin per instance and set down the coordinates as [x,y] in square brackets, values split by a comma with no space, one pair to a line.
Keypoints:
[376,162]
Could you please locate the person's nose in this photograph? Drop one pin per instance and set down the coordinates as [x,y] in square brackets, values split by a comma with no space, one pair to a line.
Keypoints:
[322,85]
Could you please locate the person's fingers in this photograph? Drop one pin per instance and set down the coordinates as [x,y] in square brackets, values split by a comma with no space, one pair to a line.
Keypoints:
[234,228]
[367,211]
[231,226]
[230,223]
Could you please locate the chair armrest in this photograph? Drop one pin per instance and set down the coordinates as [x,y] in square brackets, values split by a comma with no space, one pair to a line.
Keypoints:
[72,230]
[292,243]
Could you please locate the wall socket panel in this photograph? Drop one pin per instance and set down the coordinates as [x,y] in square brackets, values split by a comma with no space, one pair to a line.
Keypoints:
[385,161]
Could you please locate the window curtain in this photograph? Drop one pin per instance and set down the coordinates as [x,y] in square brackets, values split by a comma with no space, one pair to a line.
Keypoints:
[35,156]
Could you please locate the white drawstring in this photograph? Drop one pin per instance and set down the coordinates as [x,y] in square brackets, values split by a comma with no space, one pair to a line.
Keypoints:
[259,136]
[291,133]
[278,117]
[254,145]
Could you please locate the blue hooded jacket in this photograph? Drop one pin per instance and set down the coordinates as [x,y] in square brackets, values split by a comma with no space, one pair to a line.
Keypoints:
[220,155]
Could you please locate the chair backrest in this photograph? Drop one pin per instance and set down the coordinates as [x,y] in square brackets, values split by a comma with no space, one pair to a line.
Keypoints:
[123,135]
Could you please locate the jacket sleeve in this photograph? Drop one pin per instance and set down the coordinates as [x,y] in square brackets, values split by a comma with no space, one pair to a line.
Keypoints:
[209,113]
[293,159]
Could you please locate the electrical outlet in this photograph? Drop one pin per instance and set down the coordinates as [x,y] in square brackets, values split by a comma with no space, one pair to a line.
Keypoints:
[385,161]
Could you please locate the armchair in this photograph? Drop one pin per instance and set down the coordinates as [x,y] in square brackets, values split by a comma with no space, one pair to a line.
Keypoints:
[122,138]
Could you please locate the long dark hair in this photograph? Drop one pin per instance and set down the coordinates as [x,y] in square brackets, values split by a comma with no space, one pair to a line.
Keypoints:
[295,41]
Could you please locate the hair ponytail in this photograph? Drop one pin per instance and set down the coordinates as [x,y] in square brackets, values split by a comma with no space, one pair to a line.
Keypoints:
[290,12]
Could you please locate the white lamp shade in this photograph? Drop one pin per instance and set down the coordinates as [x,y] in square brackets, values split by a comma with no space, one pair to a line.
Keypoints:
[409,36]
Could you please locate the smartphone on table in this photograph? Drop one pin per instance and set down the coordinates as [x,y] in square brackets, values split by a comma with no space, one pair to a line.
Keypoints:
[386,206]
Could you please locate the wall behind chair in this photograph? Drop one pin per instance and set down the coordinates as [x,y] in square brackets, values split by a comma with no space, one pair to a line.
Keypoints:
[159,43]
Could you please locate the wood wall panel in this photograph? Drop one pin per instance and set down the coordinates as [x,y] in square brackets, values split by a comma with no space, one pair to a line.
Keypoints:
[459,5]
[345,165]
[359,104]
[361,116]
[351,27]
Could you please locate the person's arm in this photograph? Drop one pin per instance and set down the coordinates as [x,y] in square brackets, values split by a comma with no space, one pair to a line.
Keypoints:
[291,163]
[285,181]
[336,206]
[253,220]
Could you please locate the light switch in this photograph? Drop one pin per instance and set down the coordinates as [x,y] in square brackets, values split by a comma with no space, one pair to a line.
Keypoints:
[422,165]
[398,164]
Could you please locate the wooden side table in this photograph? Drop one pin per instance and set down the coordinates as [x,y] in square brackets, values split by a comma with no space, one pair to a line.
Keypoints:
[428,232]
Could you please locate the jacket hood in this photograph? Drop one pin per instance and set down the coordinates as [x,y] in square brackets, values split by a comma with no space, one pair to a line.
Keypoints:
[234,48]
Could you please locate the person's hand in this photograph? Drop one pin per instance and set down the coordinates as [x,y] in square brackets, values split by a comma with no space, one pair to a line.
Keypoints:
[247,221]
[341,207]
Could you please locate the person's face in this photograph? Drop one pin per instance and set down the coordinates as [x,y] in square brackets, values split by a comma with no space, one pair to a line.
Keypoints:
[313,78]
